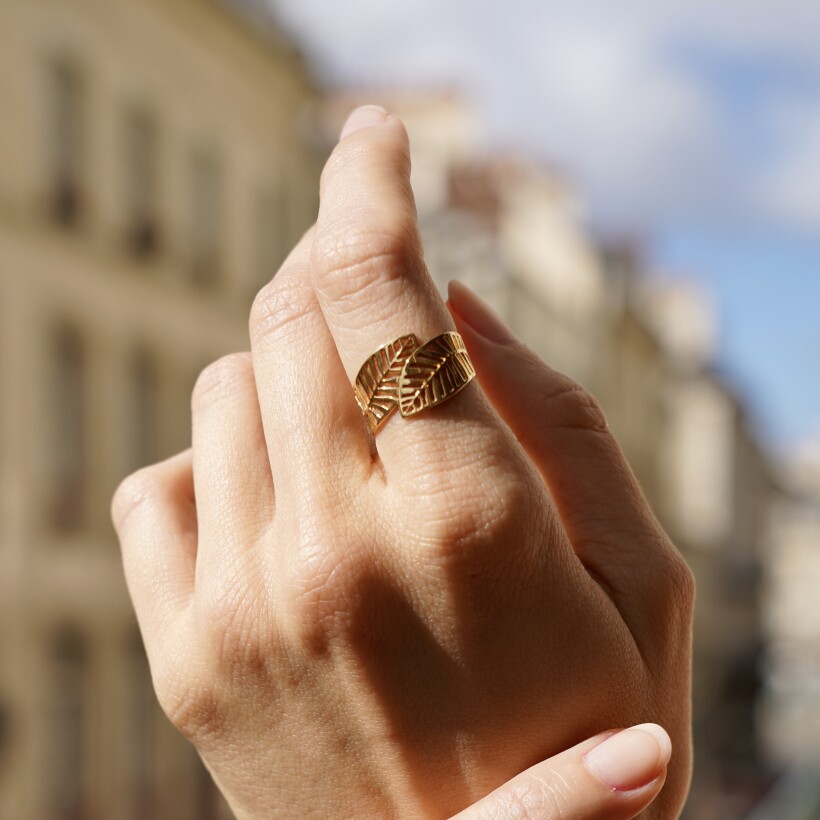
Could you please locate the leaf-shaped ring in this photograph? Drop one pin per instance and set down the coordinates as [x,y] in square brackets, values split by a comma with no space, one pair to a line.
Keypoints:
[377,384]
[435,372]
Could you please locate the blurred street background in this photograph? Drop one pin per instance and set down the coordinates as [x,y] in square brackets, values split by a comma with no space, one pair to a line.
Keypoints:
[635,187]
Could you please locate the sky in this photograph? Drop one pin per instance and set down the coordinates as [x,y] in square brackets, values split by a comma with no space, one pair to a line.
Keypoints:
[695,125]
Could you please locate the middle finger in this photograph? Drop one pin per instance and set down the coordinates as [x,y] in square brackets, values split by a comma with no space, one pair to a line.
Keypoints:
[372,283]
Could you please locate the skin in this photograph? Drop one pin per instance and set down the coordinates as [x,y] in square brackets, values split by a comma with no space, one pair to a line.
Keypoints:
[349,627]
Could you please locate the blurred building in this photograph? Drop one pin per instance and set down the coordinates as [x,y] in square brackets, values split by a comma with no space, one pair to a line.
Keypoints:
[636,372]
[719,494]
[153,176]
[531,259]
[792,704]
[159,177]
[793,697]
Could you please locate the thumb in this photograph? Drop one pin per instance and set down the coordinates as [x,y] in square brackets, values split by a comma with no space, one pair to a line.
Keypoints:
[609,777]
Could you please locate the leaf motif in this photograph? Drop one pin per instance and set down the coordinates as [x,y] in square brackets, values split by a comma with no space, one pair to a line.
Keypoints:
[377,384]
[435,371]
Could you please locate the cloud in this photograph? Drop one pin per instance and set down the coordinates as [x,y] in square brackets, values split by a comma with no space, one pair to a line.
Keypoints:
[639,134]
[686,112]
[790,185]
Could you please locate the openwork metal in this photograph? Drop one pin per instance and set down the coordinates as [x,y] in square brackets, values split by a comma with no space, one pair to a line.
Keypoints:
[377,384]
[434,372]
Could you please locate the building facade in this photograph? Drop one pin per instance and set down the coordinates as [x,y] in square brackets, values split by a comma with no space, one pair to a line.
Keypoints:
[719,493]
[154,176]
[792,716]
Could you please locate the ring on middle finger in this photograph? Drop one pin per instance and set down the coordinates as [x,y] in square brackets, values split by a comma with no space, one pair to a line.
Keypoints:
[411,377]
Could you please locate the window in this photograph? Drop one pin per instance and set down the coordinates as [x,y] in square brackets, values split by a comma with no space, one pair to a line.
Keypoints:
[206,216]
[271,234]
[68,714]
[67,445]
[143,410]
[141,177]
[64,135]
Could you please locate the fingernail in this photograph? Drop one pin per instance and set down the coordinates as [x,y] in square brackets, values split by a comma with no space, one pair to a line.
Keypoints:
[632,758]
[478,314]
[363,117]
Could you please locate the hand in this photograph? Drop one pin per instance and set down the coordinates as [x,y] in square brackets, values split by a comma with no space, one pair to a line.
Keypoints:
[611,777]
[350,629]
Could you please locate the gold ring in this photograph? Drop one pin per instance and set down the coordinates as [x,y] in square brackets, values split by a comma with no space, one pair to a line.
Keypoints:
[377,385]
[412,378]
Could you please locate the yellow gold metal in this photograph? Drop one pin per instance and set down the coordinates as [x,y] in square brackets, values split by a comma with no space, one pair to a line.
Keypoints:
[434,372]
[377,384]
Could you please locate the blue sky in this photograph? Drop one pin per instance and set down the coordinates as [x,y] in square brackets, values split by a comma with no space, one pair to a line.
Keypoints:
[767,288]
[696,125]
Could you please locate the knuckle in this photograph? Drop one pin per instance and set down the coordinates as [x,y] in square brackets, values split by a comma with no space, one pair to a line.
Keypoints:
[225,377]
[279,305]
[572,407]
[192,707]
[462,523]
[138,491]
[239,630]
[673,590]
[379,262]
[680,583]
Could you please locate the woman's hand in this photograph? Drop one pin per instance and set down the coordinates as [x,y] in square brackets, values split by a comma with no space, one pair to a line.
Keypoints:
[350,629]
